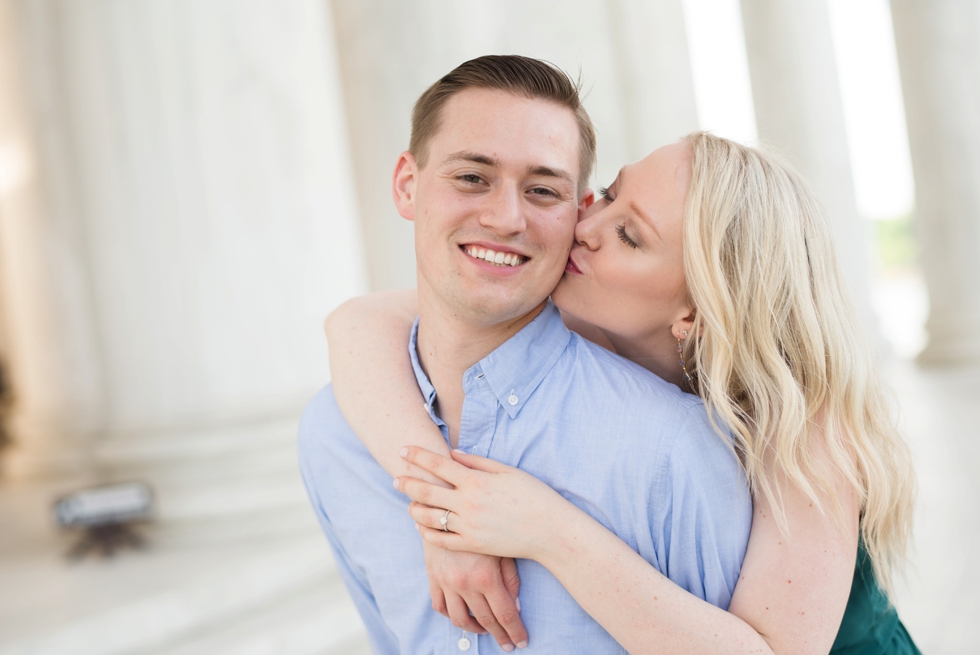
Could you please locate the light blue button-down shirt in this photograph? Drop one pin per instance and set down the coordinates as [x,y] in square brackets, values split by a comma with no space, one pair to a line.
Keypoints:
[631,450]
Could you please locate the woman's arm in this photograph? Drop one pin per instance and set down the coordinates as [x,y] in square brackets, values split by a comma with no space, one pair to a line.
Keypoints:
[376,390]
[373,380]
[790,596]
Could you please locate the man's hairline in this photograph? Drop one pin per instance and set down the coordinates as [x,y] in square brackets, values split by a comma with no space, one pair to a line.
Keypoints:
[422,159]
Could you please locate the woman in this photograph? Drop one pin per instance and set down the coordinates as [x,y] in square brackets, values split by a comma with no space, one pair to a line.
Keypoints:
[773,349]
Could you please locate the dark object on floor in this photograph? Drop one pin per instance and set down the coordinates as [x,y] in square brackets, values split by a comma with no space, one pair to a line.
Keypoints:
[107,515]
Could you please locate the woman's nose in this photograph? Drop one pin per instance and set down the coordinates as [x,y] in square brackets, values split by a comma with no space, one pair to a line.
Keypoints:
[587,232]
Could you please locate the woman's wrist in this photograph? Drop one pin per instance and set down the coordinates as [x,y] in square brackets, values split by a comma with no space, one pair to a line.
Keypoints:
[562,536]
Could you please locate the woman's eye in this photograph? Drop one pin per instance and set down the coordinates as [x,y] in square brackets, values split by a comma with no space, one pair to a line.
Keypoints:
[604,192]
[621,231]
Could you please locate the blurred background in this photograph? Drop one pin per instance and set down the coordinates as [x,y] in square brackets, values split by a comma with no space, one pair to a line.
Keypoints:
[188,187]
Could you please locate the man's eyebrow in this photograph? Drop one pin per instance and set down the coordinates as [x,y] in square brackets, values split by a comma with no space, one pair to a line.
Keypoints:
[474,157]
[547,171]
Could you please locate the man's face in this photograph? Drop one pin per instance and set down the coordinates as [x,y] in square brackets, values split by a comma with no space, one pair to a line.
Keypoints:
[500,183]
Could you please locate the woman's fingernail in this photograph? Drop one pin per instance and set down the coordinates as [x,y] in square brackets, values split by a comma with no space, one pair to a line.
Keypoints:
[396,483]
[403,452]
[508,647]
[522,644]
[517,601]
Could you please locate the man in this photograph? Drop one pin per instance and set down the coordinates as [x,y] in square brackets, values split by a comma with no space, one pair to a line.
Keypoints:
[495,181]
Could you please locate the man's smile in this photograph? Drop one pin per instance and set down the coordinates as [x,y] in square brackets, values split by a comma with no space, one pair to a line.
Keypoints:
[495,257]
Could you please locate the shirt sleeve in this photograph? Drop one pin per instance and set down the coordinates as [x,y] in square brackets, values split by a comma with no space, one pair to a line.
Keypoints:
[709,512]
[320,423]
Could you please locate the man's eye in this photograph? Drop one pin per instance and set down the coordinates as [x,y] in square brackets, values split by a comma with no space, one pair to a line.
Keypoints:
[472,179]
[542,191]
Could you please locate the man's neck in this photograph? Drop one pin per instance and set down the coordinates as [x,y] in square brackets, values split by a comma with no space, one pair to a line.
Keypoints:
[449,344]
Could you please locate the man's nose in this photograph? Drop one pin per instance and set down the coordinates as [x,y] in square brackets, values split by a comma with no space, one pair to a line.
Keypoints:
[504,213]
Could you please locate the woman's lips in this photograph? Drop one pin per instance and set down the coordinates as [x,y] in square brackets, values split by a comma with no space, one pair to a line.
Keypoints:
[570,267]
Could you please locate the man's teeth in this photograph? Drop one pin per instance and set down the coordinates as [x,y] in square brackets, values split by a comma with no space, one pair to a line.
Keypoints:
[499,258]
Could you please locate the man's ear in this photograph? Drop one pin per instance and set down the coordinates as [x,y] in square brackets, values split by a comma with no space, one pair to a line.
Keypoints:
[588,197]
[403,185]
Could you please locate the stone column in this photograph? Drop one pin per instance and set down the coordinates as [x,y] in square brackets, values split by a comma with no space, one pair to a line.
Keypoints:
[799,112]
[48,323]
[653,67]
[938,44]
[214,227]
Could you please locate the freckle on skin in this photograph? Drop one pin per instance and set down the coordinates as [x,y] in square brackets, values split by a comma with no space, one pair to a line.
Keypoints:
[789,582]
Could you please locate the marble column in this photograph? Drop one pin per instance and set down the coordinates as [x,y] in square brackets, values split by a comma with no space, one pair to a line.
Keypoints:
[212,227]
[631,55]
[799,113]
[653,67]
[938,45]
[46,316]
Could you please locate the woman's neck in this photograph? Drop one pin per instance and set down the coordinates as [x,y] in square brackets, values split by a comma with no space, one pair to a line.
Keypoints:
[656,354]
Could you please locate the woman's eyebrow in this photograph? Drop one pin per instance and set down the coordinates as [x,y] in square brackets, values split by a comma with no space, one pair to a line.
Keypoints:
[645,218]
[640,212]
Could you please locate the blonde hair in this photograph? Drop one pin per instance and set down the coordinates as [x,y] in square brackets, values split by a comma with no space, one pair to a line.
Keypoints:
[779,356]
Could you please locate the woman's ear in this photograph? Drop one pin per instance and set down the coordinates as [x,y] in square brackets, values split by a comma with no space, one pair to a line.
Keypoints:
[403,185]
[681,328]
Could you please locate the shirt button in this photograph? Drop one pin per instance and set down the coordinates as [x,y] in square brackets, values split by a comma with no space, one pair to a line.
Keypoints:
[463,643]
[512,399]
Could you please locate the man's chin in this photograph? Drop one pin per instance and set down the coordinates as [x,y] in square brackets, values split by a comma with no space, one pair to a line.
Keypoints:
[490,310]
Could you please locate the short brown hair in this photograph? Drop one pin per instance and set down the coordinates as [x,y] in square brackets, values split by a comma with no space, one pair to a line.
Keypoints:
[532,78]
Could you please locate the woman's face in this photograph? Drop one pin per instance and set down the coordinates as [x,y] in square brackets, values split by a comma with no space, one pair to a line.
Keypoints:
[625,272]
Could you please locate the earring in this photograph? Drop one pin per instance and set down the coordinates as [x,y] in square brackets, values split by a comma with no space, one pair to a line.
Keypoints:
[680,354]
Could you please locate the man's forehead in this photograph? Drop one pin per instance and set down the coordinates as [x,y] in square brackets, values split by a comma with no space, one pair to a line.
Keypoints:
[499,128]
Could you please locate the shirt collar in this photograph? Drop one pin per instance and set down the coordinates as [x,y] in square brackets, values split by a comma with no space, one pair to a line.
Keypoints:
[515,369]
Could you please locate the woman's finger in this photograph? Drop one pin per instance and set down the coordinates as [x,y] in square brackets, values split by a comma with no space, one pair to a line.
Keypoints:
[431,517]
[439,466]
[423,492]
[447,540]
[478,463]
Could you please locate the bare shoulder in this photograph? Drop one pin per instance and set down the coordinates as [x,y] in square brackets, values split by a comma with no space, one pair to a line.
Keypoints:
[401,304]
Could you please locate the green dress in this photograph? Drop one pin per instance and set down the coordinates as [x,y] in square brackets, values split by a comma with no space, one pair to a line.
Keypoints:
[870,625]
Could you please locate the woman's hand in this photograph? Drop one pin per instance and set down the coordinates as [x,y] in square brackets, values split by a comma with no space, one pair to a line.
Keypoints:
[494,509]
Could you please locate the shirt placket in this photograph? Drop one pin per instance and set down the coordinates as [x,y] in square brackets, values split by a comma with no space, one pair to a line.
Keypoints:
[476,429]
[477,424]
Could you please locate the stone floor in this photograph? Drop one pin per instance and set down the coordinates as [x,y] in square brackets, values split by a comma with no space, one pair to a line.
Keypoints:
[941,416]
[269,594]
